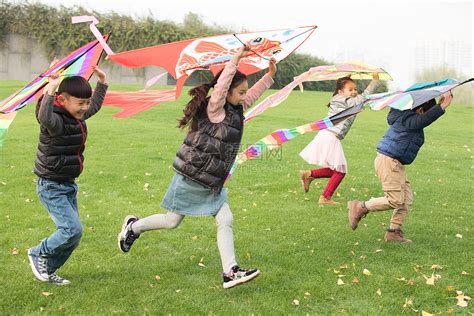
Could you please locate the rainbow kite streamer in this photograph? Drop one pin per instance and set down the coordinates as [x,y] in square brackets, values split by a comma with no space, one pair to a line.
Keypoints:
[78,63]
[356,70]
[278,137]
[5,121]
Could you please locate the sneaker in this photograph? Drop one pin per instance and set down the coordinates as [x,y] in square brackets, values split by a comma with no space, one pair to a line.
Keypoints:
[39,266]
[306,179]
[396,235]
[356,212]
[238,276]
[56,279]
[325,200]
[126,237]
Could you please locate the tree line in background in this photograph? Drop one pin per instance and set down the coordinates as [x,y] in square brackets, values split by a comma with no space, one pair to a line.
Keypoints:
[52,27]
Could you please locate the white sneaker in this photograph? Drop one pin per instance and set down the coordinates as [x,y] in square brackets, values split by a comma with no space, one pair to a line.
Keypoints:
[238,276]
[39,266]
[126,237]
[56,279]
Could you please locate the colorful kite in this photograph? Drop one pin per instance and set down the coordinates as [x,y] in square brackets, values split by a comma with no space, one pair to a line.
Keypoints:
[181,59]
[5,121]
[356,70]
[413,96]
[78,63]
[278,137]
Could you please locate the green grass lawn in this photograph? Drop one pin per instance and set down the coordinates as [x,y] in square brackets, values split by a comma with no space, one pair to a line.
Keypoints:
[301,248]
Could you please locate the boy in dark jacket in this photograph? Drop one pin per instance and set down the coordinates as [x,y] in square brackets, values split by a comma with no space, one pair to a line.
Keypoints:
[59,161]
[397,148]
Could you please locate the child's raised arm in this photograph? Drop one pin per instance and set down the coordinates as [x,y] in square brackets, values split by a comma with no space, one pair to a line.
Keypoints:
[46,116]
[263,84]
[363,96]
[99,93]
[215,107]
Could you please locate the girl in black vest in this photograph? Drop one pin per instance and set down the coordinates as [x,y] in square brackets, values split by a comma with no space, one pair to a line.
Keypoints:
[203,162]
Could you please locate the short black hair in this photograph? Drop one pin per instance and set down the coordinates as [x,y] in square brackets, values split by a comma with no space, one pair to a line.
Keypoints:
[427,105]
[76,86]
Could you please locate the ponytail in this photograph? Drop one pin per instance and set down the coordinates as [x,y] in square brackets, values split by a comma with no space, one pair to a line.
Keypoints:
[195,107]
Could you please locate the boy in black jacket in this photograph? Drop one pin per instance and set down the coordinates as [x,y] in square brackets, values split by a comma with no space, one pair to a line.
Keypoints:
[59,160]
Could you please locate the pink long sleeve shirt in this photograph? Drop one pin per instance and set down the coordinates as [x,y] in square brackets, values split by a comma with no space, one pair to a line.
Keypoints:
[215,107]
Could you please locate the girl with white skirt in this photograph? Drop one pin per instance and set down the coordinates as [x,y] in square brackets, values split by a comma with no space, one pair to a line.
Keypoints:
[325,149]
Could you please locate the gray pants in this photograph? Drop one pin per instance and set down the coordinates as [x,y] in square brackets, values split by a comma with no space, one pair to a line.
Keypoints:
[170,220]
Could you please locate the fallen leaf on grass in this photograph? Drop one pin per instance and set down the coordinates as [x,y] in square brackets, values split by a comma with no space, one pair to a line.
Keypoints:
[459,236]
[409,304]
[157,278]
[306,294]
[462,299]
[177,291]
[378,250]
[201,263]
[296,302]
[464,273]
[15,251]
[379,292]
[195,238]
[340,282]
[46,293]
[355,280]
[436,266]
[366,272]
[431,280]
[450,288]
[146,186]
[423,313]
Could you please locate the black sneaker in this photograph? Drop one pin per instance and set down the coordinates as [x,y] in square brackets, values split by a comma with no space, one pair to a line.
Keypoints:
[238,276]
[126,237]
[56,279]
[39,266]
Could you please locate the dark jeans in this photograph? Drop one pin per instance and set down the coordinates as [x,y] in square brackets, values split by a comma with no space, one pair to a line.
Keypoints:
[61,203]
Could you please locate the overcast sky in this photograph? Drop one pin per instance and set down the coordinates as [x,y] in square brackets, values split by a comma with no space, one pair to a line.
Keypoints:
[391,35]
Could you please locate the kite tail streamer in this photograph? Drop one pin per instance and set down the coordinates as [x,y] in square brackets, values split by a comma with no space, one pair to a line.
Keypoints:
[93,21]
[281,136]
[5,121]
[276,139]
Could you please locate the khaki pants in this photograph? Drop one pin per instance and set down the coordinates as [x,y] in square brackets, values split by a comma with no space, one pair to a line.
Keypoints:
[398,194]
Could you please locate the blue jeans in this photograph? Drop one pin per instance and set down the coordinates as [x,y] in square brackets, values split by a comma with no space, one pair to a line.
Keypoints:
[61,203]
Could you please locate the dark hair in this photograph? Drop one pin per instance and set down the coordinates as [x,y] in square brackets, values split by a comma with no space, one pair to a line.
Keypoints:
[426,106]
[340,83]
[76,86]
[195,108]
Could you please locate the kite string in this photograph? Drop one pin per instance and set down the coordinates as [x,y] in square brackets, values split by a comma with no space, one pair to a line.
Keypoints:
[291,38]
[235,35]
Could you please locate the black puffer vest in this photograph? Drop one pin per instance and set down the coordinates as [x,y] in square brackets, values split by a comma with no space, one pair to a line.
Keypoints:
[207,154]
[60,157]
